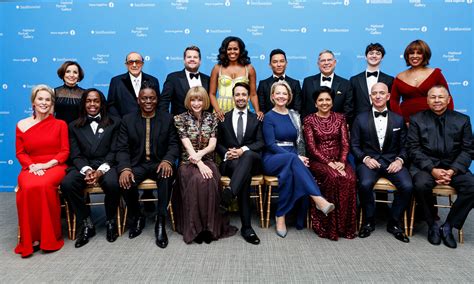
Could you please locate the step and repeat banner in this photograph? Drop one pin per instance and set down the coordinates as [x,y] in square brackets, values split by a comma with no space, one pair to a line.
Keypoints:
[36,37]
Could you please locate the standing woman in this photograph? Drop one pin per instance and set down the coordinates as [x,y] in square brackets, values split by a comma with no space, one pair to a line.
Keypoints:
[233,66]
[284,157]
[68,96]
[413,84]
[42,149]
[328,145]
[199,218]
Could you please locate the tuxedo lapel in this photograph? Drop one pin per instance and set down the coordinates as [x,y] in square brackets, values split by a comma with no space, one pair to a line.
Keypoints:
[388,134]
[230,127]
[374,140]
[316,86]
[86,131]
[363,86]
[140,129]
[128,84]
[204,81]
[183,83]
[335,83]
[250,125]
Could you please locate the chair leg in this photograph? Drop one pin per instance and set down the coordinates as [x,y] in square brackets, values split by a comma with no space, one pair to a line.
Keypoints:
[461,236]
[68,220]
[405,222]
[124,221]
[119,221]
[269,201]
[170,209]
[412,216]
[73,233]
[361,217]
[262,222]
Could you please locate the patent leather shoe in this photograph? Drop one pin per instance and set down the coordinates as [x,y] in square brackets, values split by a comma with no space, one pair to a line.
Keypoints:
[447,237]
[137,227]
[160,232]
[84,236]
[250,236]
[433,236]
[366,230]
[398,233]
[111,234]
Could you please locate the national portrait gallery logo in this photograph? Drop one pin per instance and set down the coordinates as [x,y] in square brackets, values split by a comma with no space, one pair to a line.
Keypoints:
[297,4]
[64,6]
[374,29]
[140,32]
[255,30]
[26,33]
[101,58]
[180,4]
[417,3]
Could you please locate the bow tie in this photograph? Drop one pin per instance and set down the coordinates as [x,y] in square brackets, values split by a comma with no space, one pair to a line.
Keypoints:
[327,79]
[281,78]
[375,74]
[380,113]
[194,75]
[91,119]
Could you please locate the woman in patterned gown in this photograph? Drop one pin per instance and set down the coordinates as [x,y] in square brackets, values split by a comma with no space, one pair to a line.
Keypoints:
[233,66]
[68,96]
[327,143]
[198,194]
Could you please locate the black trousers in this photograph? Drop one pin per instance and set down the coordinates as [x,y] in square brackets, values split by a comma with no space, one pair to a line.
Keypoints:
[464,185]
[240,171]
[366,181]
[73,186]
[142,172]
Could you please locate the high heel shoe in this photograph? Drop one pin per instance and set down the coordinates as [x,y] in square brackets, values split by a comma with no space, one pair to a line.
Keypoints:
[279,233]
[326,210]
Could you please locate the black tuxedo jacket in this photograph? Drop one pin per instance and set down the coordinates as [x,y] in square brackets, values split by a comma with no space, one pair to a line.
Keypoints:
[121,99]
[175,89]
[264,88]
[360,92]
[423,148]
[227,138]
[364,141]
[342,101]
[131,140]
[87,149]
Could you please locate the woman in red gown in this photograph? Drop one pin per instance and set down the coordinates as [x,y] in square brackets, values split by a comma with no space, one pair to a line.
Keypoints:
[413,84]
[327,143]
[42,149]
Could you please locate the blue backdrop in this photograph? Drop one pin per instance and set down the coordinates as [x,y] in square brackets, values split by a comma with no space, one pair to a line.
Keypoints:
[36,37]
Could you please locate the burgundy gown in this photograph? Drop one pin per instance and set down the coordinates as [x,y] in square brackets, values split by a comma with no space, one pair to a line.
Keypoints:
[327,140]
[414,98]
[37,199]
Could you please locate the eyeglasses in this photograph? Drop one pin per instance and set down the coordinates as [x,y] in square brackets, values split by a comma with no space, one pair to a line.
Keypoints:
[137,62]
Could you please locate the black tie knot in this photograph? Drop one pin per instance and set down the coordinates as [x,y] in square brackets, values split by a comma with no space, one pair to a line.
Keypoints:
[380,113]
[375,74]
[326,79]
[280,78]
[90,119]
[194,75]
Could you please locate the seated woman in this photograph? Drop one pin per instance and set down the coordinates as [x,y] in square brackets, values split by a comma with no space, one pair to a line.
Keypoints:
[198,194]
[68,96]
[328,145]
[42,149]
[284,157]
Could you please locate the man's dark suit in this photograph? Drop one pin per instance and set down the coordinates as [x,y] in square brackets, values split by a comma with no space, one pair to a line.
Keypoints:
[87,149]
[455,153]
[131,154]
[264,89]
[360,92]
[241,170]
[121,99]
[175,89]
[364,142]
[343,96]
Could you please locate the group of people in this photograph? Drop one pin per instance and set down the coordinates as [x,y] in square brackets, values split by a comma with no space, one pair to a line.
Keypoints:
[77,138]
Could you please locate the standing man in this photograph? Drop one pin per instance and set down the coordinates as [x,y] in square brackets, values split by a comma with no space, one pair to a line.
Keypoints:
[240,142]
[278,65]
[438,143]
[341,87]
[377,141]
[178,83]
[123,89]
[147,148]
[363,82]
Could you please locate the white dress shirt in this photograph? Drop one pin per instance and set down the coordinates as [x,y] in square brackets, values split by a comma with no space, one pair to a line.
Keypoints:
[380,126]
[371,81]
[194,82]
[136,83]
[326,83]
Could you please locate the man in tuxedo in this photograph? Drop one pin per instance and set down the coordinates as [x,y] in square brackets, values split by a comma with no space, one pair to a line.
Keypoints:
[341,87]
[147,148]
[240,141]
[123,89]
[92,139]
[178,83]
[278,65]
[363,82]
[438,144]
[377,141]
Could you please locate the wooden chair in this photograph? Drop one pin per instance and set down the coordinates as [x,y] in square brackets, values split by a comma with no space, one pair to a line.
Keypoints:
[438,191]
[383,185]
[257,182]
[150,184]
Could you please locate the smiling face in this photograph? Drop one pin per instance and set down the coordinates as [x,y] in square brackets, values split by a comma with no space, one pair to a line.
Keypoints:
[233,51]
[280,96]
[196,105]
[326,63]
[241,97]
[438,100]
[93,103]
[374,57]
[192,61]
[379,96]
[134,64]
[324,103]
[415,58]
[278,64]
[147,101]
[71,76]
[43,102]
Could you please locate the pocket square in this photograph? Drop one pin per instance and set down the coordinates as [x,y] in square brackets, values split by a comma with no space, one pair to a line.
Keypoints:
[396,129]
[338,93]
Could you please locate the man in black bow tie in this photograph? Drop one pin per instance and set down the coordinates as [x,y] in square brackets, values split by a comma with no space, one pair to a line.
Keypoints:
[278,65]
[363,82]
[342,89]
[92,139]
[377,142]
[178,83]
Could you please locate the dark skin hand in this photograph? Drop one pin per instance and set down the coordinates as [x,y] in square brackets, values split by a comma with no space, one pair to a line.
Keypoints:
[165,169]
[92,177]
[126,179]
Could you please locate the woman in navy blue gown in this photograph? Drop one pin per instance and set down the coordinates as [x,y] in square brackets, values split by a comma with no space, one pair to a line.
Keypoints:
[284,157]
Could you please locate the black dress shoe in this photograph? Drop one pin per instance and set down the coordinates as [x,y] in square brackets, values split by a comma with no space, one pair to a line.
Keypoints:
[366,230]
[137,227]
[84,236]
[198,239]
[112,233]
[447,237]
[398,233]
[434,236]
[250,236]
[207,237]
[160,232]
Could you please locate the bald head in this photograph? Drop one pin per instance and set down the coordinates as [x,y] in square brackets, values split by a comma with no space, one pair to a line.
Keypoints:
[379,95]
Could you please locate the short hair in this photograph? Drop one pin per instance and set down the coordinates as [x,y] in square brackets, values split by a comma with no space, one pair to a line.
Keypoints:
[197,92]
[243,85]
[222,58]
[192,47]
[422,47]
[126,57]
[375,46]
[439,87]
[275,52]
[288,89]
[326,51]
[62,70]
[42,87]
[321,90]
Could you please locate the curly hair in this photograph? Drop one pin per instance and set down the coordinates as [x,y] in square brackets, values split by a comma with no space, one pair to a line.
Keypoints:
[222,58]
